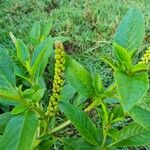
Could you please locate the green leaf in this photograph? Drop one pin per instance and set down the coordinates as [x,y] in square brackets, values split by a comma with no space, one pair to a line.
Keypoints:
[77,144]
[9,96]
[97,83]
[46,145]
[22,52]
[20,72]
[113,133]
[35,33]
[34,95]
[47,28]
[108,61]
[131,88]
[122,56]
[40,57]
[82,122]
[20,132]
[132,135]
[7,76]
[67,93]
[130,32]
[141,116]
[140,67]
[1,138]
[18,109]
[79,77]
[117,113]
[4,119]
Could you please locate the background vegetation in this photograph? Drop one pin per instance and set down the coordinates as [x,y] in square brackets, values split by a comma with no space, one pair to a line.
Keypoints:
[90,25]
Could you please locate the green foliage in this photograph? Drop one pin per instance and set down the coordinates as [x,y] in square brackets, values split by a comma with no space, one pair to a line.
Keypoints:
[79,77]
[7,76]
[131,88]
[4,119]
[22,136]
[141,116]
[130,32]
[67,92]
[35,33]
[18,109]
[77,144]
[40,57]
[122,57]
[81,121]
[132,135]
[97,83]
[22,51]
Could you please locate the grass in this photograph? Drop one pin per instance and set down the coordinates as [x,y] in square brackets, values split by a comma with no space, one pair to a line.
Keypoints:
[90,25]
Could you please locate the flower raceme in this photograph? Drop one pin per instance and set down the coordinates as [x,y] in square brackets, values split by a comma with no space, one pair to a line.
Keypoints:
[145,59]
[58,79]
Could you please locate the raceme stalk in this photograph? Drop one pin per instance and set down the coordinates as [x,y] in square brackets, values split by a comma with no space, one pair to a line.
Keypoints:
[58,79]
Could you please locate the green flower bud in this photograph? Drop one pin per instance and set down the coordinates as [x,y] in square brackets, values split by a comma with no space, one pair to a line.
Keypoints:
[58,79]
[146,57]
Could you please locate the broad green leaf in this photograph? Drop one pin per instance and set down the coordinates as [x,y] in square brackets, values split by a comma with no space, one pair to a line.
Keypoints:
[40,57]
[131,88]
[20,72]
[7,76]
[79,77]
[77,144]
[18,109]
[34,95]
[4,119]
[20,132]
[46,145]
[130,32]
[113,133]
[35,33]
[22,52]
[132,135]
[141,116]
[140,67]
[122,56]
[9,102]
[82,122]
[97,83]
[47,28]
[145,103]
[9,96]
[67,92]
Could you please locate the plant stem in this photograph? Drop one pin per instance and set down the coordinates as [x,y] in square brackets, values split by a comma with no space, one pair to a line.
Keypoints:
[105,124]
[60,126]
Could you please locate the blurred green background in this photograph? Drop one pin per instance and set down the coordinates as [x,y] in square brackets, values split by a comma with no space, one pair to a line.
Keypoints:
[90,25]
